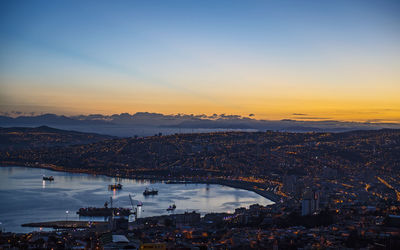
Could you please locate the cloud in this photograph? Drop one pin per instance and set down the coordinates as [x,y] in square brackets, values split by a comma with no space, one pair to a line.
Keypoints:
[14,113]
[314,118]
[299,114]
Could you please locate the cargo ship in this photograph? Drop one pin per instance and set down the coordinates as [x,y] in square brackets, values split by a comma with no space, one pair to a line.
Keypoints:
[104,211]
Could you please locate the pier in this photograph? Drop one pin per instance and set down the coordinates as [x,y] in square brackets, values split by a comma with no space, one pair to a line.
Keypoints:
[66,224]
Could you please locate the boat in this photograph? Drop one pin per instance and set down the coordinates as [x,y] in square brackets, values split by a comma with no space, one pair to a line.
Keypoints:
[171,208]
[104,211]
[115,186]
[48,178]
[150,192]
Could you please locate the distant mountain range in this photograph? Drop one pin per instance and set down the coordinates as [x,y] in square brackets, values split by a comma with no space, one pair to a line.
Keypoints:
[145,124]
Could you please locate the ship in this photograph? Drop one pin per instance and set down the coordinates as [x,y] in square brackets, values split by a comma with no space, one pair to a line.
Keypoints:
[115,186]
[171,208]
[104,211]
[48,178]
[150,192]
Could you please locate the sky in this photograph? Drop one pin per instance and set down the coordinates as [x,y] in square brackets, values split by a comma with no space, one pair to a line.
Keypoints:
[274,59]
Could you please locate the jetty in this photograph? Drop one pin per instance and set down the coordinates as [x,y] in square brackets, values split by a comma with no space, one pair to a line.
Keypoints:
[66,224]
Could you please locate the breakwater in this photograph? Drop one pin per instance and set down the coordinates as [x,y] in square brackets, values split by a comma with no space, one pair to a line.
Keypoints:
[65,224]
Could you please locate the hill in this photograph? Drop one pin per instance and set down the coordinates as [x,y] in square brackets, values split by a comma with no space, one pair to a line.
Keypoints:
[261,154]
[43,136]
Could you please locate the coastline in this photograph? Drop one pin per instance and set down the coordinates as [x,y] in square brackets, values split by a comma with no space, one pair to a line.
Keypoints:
[249,186]
[234,184]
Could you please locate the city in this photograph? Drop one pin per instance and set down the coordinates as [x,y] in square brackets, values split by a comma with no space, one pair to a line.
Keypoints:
[205,124]
[330,190]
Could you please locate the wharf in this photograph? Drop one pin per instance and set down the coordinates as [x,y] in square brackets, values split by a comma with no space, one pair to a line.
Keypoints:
[66,224]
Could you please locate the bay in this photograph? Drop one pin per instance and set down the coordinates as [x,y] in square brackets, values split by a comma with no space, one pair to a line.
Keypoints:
[25,197]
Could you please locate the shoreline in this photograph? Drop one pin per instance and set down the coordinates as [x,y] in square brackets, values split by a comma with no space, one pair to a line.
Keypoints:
[234,184]
[249,186]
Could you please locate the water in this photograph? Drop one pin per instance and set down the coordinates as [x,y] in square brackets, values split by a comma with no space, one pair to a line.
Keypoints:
[129,130]
[25,197]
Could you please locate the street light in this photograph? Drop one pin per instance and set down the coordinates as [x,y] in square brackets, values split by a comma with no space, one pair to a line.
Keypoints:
[66,217]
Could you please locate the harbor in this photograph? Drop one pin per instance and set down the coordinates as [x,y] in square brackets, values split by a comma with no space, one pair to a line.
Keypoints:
[29,199]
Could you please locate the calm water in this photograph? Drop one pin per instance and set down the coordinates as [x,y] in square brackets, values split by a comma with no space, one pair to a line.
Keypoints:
[25,198]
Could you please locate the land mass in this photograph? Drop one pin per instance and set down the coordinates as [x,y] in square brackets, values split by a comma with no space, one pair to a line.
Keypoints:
[262,158]
[334,190]
[44,136]
[148,124]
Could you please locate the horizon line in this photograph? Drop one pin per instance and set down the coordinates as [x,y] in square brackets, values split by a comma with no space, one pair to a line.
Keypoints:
[294,117]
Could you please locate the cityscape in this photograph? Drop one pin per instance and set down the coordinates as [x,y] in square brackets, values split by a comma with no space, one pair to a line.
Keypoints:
[200,125]
[330,190]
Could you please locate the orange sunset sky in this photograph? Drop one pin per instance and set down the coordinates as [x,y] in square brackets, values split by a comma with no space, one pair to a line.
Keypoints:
[326,60]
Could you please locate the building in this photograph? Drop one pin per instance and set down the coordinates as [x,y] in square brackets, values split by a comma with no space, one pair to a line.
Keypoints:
[310,202]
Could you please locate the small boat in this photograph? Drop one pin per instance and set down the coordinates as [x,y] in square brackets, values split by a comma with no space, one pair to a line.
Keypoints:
[115,186]
[150,192]
[171,208]
[48,178]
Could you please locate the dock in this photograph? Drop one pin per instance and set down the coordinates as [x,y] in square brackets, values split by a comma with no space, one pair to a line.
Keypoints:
[66,224]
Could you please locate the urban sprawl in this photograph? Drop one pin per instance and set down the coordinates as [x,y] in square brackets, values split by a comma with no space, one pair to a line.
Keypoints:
[331,190]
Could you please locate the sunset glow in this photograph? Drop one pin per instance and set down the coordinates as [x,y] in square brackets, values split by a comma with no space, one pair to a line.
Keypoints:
[335,60]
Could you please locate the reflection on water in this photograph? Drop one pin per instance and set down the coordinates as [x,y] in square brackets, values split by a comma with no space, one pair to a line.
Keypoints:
[25,197]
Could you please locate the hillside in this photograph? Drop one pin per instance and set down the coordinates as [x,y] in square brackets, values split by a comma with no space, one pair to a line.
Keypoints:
[223,154]
[29,138]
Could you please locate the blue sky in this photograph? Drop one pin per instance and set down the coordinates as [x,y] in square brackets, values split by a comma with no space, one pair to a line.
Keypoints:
[271,58]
